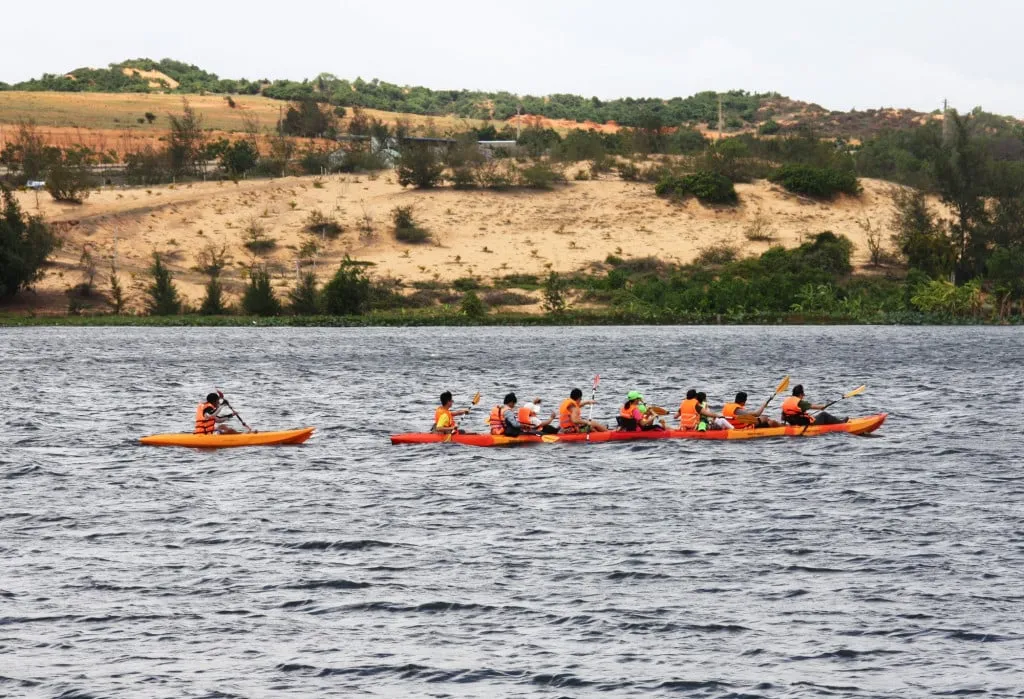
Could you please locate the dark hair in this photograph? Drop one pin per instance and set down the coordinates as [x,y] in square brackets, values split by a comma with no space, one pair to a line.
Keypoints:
[701,397]
[628,401]
[575,394]
[798,390]
[445,397]
[741,397]
[510,398]
[691,394]
[212,398]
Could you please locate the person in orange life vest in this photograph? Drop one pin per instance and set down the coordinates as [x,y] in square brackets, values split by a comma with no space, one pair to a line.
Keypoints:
[530,421]
[444,416]
[631,418]
[794,410]
[738,407]
[503,418]
[694,414]
[569,417]
[209,419]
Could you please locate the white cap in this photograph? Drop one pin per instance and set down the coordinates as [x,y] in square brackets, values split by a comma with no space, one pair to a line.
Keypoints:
[534,408]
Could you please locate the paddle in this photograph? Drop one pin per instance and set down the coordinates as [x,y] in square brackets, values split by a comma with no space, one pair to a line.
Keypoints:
[476,399]
[235,412]
[657,410]
[593,399]
[855,392]
[752,419]
[849,394]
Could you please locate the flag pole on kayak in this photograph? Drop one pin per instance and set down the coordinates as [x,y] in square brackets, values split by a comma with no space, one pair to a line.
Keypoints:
[593,399]
[225,402]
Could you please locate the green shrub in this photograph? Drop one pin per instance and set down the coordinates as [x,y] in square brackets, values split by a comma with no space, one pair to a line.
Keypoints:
[769,128]
[25,244]
[471,305]
[213,299]
[239,158]
[715,255]
[256,240]
[68,182]
[463,177]
[322,224]
[259,298]
[707,187]
[303,299]
[466,284]
[348,292]
[406,228]
[555,301]
[541,176]
[419,166]
[508,298]
[163,295]
[818,182]
[629,172]
[519,281]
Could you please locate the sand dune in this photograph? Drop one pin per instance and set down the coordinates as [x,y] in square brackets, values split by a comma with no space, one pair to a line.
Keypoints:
[484,234]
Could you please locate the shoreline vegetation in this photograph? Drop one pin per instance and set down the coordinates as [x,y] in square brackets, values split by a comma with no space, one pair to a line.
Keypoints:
[332,216]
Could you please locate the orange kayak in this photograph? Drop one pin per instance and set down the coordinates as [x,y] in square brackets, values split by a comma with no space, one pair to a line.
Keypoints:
[221,441]
[857,425]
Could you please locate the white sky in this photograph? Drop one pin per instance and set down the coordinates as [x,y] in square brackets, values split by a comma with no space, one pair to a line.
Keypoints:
[842,55]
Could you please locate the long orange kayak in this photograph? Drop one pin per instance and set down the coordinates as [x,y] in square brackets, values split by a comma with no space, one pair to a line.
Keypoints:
[222,441]
[857,425]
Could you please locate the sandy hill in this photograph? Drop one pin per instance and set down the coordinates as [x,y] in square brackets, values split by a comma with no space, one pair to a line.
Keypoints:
[481,234]
[157,80]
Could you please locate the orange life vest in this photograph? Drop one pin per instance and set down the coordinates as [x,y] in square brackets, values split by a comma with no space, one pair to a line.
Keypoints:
[791,409]
[729,409]
[497,419]
[441,412]
[626,413]
[565,423]
[525,415]
[205,424]
[689,414]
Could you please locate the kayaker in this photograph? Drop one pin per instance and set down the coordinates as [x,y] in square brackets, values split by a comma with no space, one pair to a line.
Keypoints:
[444,416]
[710,420]
[529,419]
[503,418]
[633,417]
[739,407]
[569,418]
[693,414]
[209,419]
[794,411]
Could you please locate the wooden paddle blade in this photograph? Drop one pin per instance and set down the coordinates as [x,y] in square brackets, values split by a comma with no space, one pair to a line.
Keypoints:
[476,397]
[657,410]
[783,385]
[744,419]
[855,392]
[549,438]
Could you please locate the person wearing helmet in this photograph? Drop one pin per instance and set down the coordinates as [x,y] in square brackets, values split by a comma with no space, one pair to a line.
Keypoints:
[634,416]
[794,411]
[209,419]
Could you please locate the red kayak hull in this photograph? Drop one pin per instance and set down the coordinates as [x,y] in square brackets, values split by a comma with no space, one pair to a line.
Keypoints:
[857,425]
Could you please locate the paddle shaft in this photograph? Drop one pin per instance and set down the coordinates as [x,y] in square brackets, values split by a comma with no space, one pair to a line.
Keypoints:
[235,412]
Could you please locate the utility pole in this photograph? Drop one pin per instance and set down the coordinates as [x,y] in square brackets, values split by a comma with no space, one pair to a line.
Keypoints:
[721,122]
[519,120]
[947,127]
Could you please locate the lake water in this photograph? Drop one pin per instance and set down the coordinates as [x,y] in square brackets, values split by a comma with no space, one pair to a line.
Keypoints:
[838,566]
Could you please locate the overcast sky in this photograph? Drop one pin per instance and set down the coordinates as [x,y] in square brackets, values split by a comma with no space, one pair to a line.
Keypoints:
[842,55]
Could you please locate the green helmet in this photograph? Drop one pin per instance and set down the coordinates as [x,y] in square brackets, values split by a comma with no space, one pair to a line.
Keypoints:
[634,395]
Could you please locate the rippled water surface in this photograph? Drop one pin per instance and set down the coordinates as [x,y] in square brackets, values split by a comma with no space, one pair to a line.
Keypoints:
[835,566]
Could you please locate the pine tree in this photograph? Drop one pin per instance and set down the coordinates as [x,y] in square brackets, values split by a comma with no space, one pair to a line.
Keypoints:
[163,295]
